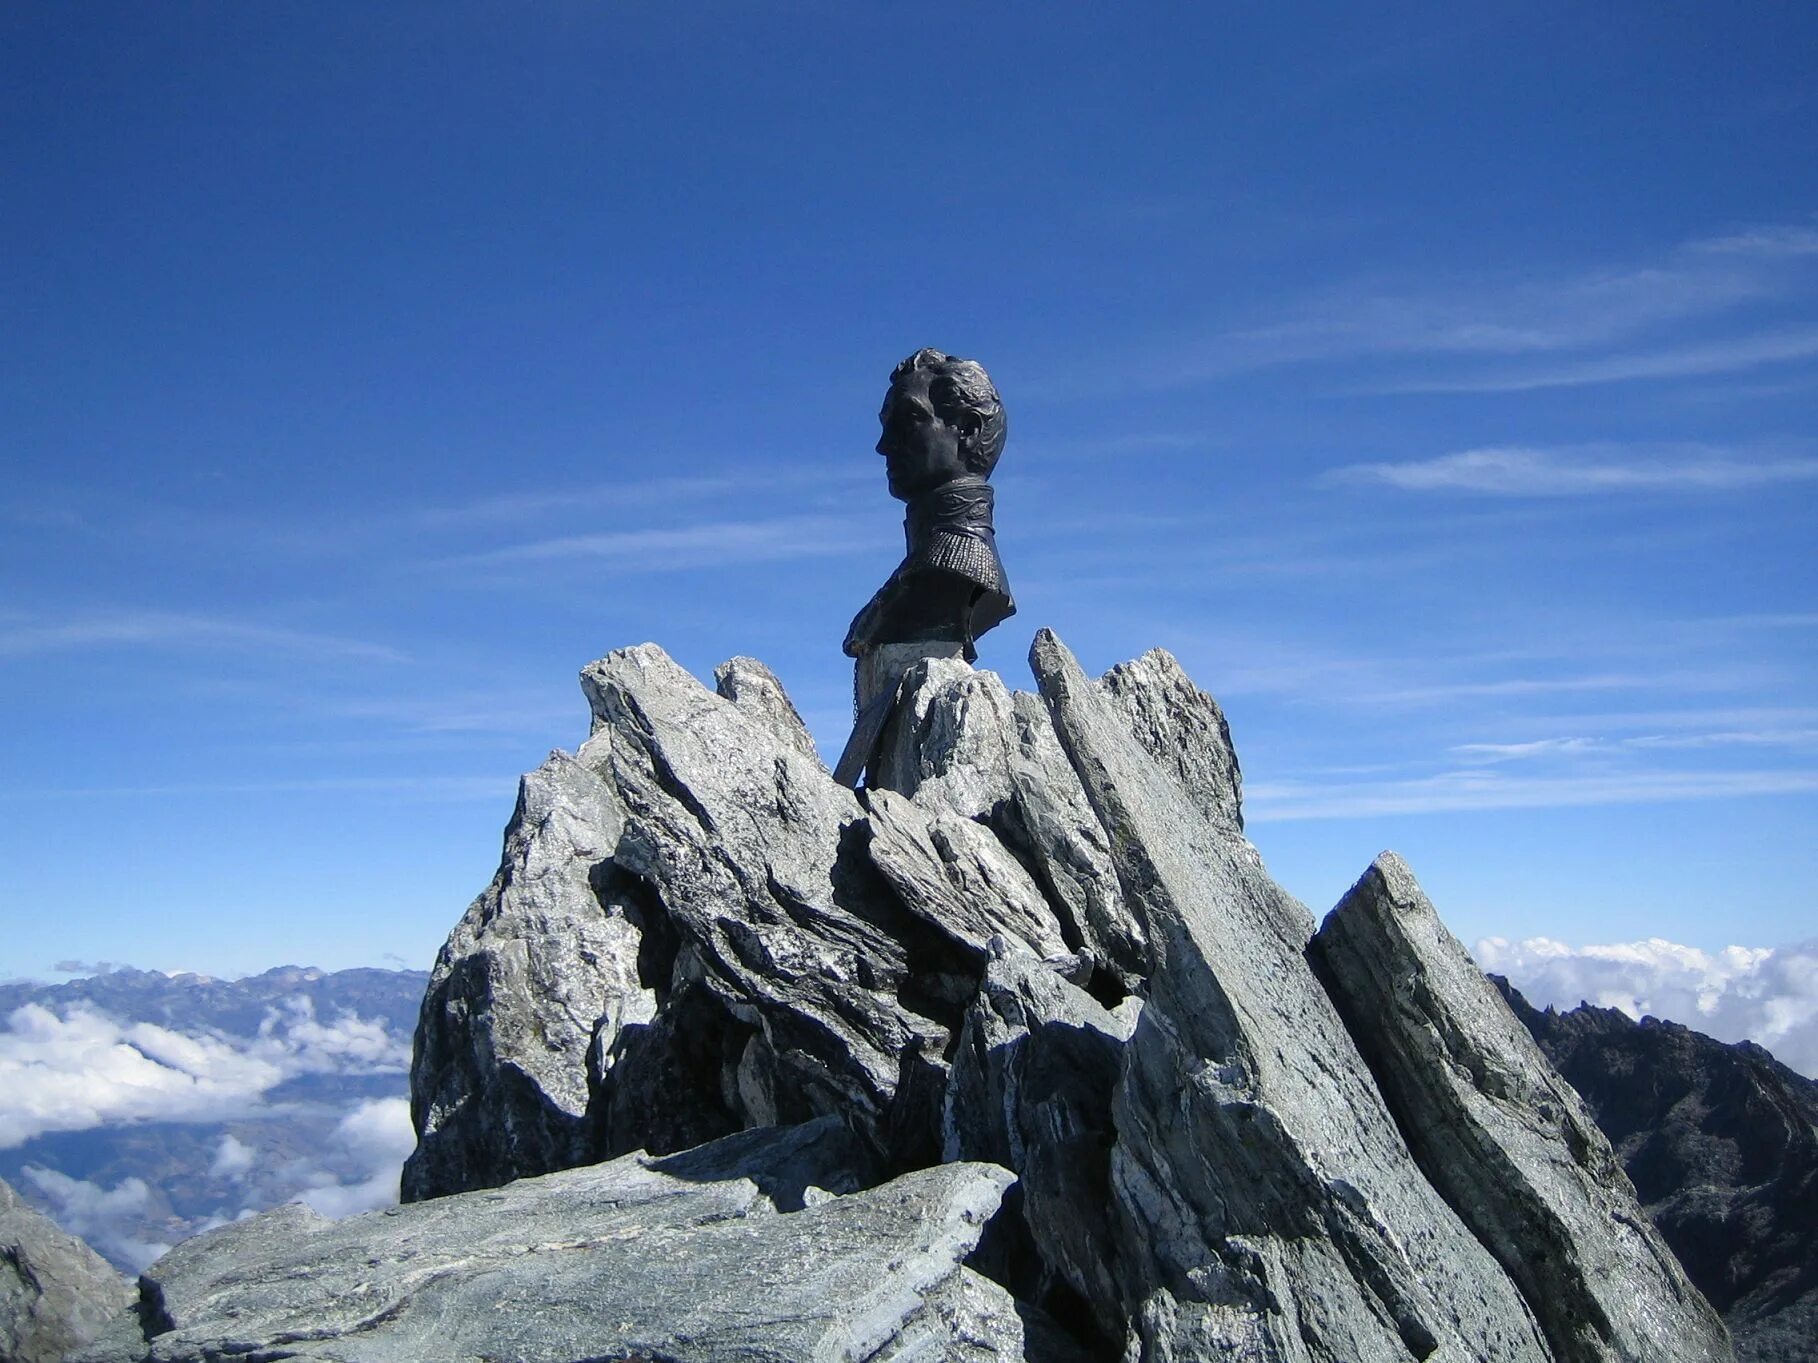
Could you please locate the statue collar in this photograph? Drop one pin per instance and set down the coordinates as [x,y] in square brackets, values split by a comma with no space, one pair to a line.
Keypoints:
[961,507]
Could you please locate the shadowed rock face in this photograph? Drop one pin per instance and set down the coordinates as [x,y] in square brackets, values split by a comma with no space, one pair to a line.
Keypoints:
[1505,1140]
[55,1292]
[1722,1145]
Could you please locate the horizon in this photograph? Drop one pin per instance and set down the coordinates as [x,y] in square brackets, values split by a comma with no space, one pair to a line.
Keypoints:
[1438,389]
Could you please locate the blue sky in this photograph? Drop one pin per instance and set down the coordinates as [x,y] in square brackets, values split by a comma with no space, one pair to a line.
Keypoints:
[1439,386]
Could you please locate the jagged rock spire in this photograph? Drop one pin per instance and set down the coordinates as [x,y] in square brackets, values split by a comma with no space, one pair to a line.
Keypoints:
[1031,1003]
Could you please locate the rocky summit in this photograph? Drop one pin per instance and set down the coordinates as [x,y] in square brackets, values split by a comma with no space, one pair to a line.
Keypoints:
[1018,1053]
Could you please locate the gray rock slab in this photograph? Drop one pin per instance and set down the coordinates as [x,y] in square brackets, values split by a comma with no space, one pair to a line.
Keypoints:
[615,1261]
[1502,1136]
[1267,1207]
[950,739]
[540,970]
[754,688]
[970,1319]
[956,876]
[1183,729]
[55,1292]
[1064,840]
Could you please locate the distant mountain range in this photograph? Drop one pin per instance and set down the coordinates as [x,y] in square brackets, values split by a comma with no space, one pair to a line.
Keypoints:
[142,1108]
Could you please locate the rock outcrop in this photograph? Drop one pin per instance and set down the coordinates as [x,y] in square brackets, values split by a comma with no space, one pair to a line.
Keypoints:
[55,1292]
[637,1258]
[1721,1142]
[1502,1137]
[1017,1054]
[542,967]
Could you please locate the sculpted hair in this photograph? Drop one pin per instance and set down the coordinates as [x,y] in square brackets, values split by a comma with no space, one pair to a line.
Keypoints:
[962,386]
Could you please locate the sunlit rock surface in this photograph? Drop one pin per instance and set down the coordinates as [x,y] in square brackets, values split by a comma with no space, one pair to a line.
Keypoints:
[1502,1136]
[634,1258]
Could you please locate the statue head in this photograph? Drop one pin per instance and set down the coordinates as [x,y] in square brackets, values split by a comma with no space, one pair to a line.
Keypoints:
[942,420]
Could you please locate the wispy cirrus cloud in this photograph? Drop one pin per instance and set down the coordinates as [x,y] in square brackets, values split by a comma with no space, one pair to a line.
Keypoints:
[154,629]
[1516,752]
[1505,688]
[1694,719]
[768,477]
[388,530]
[517,506]
[495,713]
[1724,356]
[430,789]
[1729,738]
[717,544]
[1579,471]
[1770,241]
[1611,322]
[1554,748]
[1489,788]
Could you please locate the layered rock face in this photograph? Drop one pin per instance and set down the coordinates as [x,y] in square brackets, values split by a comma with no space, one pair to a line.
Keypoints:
[1501,1135]
[55,1292]
[1018,1054]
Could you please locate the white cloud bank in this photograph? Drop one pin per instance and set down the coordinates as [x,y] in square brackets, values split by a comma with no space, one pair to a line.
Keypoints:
[1761,994]
[82,1068]
[112,1220]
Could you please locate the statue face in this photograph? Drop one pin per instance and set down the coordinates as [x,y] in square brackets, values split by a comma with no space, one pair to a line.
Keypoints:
[921,451]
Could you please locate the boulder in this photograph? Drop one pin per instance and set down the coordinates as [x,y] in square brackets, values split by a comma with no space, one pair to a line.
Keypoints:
[791,956]
[958,878]
[1183,729]
[55,1292]
[1266,1205]
[754,688]
[1504,1138]
[962,743]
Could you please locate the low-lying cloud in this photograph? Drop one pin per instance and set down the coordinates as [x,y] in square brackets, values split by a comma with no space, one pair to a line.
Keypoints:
[373,1140]
[79,1068]
[112,1220]
[1761,994]
[353,1168]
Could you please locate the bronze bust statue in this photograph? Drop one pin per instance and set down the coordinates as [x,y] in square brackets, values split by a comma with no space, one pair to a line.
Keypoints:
[943,432]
